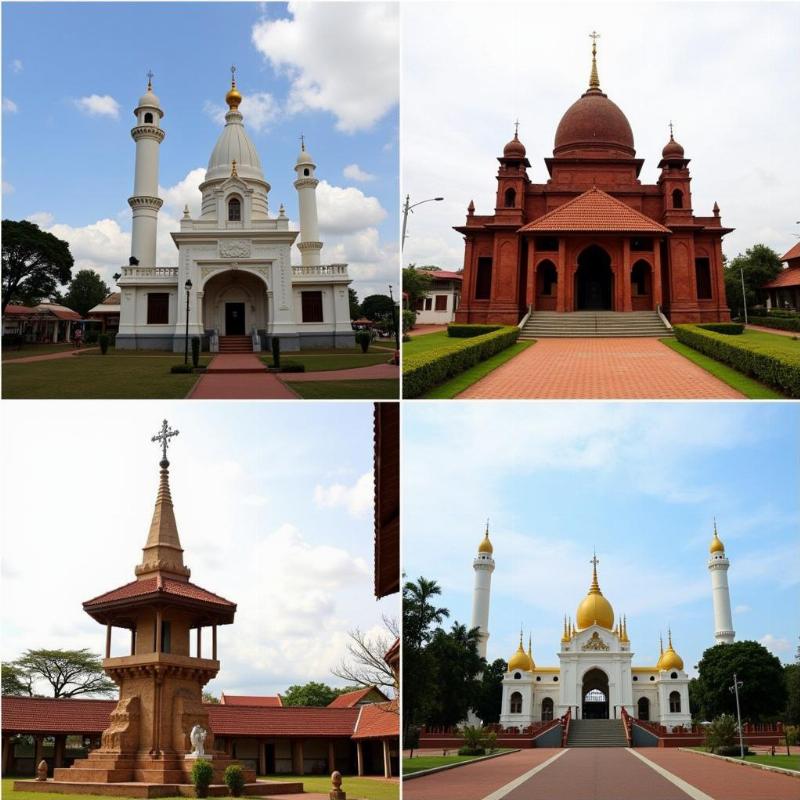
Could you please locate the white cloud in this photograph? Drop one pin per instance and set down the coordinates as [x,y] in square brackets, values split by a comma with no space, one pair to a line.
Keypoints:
[97,105]
[8,188]
[101,243]
[346,209]
[10,106]
[16,65]
[775,644]
[259,110]
[355,173]
[357,499]
[183,193]
[341,57]
[41,218]
[741,609]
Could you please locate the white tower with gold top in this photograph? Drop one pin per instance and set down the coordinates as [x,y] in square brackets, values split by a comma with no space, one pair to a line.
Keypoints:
[718,566]
[481,594]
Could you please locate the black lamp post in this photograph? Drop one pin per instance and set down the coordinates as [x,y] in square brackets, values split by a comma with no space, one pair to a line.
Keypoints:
[188,287]
[395,322]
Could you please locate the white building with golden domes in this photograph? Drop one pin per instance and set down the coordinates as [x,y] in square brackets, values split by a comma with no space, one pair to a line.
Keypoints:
[596,677]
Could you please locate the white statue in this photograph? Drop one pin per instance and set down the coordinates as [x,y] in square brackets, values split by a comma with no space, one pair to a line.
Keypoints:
[198,738]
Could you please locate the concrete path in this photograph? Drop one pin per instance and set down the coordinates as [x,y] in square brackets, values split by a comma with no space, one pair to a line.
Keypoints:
[49,356]
[780,332]
[421,330]
[376,371]
[599,369]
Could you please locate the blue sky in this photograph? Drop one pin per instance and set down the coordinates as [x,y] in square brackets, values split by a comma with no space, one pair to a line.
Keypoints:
[301,69]
[274,509]
[641,483]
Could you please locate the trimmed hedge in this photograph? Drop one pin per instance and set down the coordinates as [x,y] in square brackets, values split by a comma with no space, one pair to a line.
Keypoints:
[781,322]
[728,328]
[776,369]
[424,371]
[775,312]
[459,331]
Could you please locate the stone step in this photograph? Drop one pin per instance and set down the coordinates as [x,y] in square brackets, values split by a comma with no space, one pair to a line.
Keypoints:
[589,324]
[596,733]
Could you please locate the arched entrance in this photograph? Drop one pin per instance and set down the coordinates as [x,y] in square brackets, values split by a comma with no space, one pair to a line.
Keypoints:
[643,709]
[235,303]
[594,695]
[594,281]
[641,286]
[546,283]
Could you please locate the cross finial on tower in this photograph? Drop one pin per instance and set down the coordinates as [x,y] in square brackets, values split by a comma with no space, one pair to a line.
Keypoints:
[302,142]
[487,526]
[149,80]
[233,75]
[163,436]
[671,138]
[594,80]
[594,560]
[516,128]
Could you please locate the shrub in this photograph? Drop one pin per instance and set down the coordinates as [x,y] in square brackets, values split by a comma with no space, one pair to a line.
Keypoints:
[91,336]
[471,751]
[776,312]
[792,734]
[364,338]
[276,351]
[491,741]
[182,369]
[195,351]
[234,779]
[727,328]
[409,318]
[202,774]
[103,341]
[781,322]
[732,750]
[423,371]
[406,337]
[721,733]
[775,367]
[458,331]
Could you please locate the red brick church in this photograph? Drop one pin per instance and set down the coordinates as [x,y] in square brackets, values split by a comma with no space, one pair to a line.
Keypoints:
[593,237]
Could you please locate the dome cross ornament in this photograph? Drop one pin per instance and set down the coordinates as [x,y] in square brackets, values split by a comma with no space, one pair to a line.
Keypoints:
[671,137]
[233,75]
[594,80]
[150,77]
[163,436]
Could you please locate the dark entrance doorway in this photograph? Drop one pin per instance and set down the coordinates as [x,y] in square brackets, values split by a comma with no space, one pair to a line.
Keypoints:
[594,281]
[234,319]
[595,695]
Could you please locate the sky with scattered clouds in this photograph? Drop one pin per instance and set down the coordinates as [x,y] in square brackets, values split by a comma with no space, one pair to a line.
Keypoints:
[641,483]
[274,509]
[73,72]
[725,74]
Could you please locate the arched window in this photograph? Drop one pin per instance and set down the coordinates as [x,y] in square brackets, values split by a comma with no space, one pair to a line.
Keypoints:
[674,703]
[547,709]
[548,278]
[511,198]
[234,210]
[673,675]
[148,118]
[640,274]
[643,708]
[306,172]
[677,198]
[516,703]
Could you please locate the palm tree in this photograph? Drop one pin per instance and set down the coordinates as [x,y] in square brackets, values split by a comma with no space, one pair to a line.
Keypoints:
[419,614]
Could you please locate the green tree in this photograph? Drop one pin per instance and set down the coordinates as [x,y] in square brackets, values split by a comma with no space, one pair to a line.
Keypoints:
[377,307]
[85,291]
[791,715]
[16,682]
[760,264]
[490,692]
[313,693]
[69,672]
[763,692]
[210,698]
[34,263]
[355,306]
[416,283]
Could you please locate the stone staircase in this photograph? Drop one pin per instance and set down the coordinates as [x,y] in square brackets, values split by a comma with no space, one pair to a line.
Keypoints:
[235,344]
[596,733]
[593,324]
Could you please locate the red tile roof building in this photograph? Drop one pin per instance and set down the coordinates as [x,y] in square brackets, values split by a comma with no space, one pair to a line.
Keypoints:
[265,701]
[783,291]
[591,236]
[359,697]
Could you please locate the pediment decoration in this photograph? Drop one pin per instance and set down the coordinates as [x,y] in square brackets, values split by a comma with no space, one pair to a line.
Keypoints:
[595,643]
[234,248]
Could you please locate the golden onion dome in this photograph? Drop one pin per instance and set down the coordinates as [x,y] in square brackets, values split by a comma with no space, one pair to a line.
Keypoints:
[486,546]
[520,659]
[669,658]
[716,542]
[594,608]
[234,97]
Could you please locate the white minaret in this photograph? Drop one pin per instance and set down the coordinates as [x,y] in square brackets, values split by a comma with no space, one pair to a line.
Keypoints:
[721,596]
[481,595]
[306,185]
[145,202]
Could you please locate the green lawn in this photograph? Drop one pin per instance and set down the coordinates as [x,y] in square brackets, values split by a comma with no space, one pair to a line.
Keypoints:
[419,763]
[355,788]
[455,386]
[381,389]
[430,341]
[337,359]
[747,386]
[38,350]
[784,761]
[10,794]
[103,377]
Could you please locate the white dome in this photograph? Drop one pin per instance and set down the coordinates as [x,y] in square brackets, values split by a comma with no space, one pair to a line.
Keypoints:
[149,99]
[305,158]
[234,145]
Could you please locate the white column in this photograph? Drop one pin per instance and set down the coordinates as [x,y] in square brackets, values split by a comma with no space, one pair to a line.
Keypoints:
[306,185]
[481,597]
[723,620]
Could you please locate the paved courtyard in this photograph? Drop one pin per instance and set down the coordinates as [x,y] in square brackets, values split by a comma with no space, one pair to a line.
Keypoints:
[603,774]
[600,369]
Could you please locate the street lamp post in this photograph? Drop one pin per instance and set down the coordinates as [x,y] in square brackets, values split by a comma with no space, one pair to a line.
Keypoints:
[407,207]
[395,322]
[188,287]
[737,684]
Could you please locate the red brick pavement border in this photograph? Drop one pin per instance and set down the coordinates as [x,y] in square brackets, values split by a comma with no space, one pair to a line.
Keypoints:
[724,780]
[376,371]
[48,356]
[475,781]
[600,369]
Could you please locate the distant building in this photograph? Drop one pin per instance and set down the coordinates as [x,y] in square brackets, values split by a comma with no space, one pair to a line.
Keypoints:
[440,305]
[783,291]
[107,313]
[45,323]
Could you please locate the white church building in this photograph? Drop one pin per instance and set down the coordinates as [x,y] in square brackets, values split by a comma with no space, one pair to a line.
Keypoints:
[596,676]
[234,261]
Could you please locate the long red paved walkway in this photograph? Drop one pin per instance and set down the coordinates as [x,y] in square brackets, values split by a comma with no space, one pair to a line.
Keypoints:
[597,369]
[232,381]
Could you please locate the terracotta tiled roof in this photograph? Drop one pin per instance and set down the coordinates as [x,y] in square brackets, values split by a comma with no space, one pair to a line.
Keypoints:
[287,721]
[352,699]
[155,584]
[378,720]
[794,252]
[444,275]
[113,299]
[262,701]
[20,310]
[60,312]
[48,715]
[598,211]
[787,277]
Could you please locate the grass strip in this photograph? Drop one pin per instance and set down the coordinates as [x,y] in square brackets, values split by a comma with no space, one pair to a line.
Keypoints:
[378,389]
[460,383]
[363,788]
[314,362]
[750,388]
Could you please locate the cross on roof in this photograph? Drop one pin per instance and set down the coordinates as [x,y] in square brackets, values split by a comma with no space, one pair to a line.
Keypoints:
[594,560]
[233,74]
[302,142]
[163,436]
[670,129]
[516,126]
[594,36]
[149,78]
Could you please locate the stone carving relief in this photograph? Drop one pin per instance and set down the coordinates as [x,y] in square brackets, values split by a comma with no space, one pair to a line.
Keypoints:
[595,643]
[122,735]
[234,248]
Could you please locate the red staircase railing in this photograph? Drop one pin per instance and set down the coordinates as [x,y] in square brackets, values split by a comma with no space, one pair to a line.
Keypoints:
[626,722]
[565,720]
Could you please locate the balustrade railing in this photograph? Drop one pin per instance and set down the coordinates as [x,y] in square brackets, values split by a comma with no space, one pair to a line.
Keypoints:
[320,270]
[149,272]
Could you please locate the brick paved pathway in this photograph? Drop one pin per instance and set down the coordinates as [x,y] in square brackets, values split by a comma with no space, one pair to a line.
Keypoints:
[724,780]
[599,368]
[356,373]
[49,356]
[421,330]
[240,386]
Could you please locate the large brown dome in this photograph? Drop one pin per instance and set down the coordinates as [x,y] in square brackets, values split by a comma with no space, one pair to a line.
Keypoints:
[594,126]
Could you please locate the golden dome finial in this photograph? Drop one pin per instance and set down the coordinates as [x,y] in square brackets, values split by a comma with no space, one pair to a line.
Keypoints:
[594,80]
[520,658]
[716,542]
[234,173]
[486,545]
[595,587]
[625,628]
[149,80]
[234,97]
[565,635]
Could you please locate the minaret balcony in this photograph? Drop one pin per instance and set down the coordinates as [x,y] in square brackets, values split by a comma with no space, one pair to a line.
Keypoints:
[160,275]
[336,273]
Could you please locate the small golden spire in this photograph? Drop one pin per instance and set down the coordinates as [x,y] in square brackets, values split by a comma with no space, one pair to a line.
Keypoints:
[565,634]
[234,173]
[669,633]
[661,643]
[625,628]
[594,80]
[595,587]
